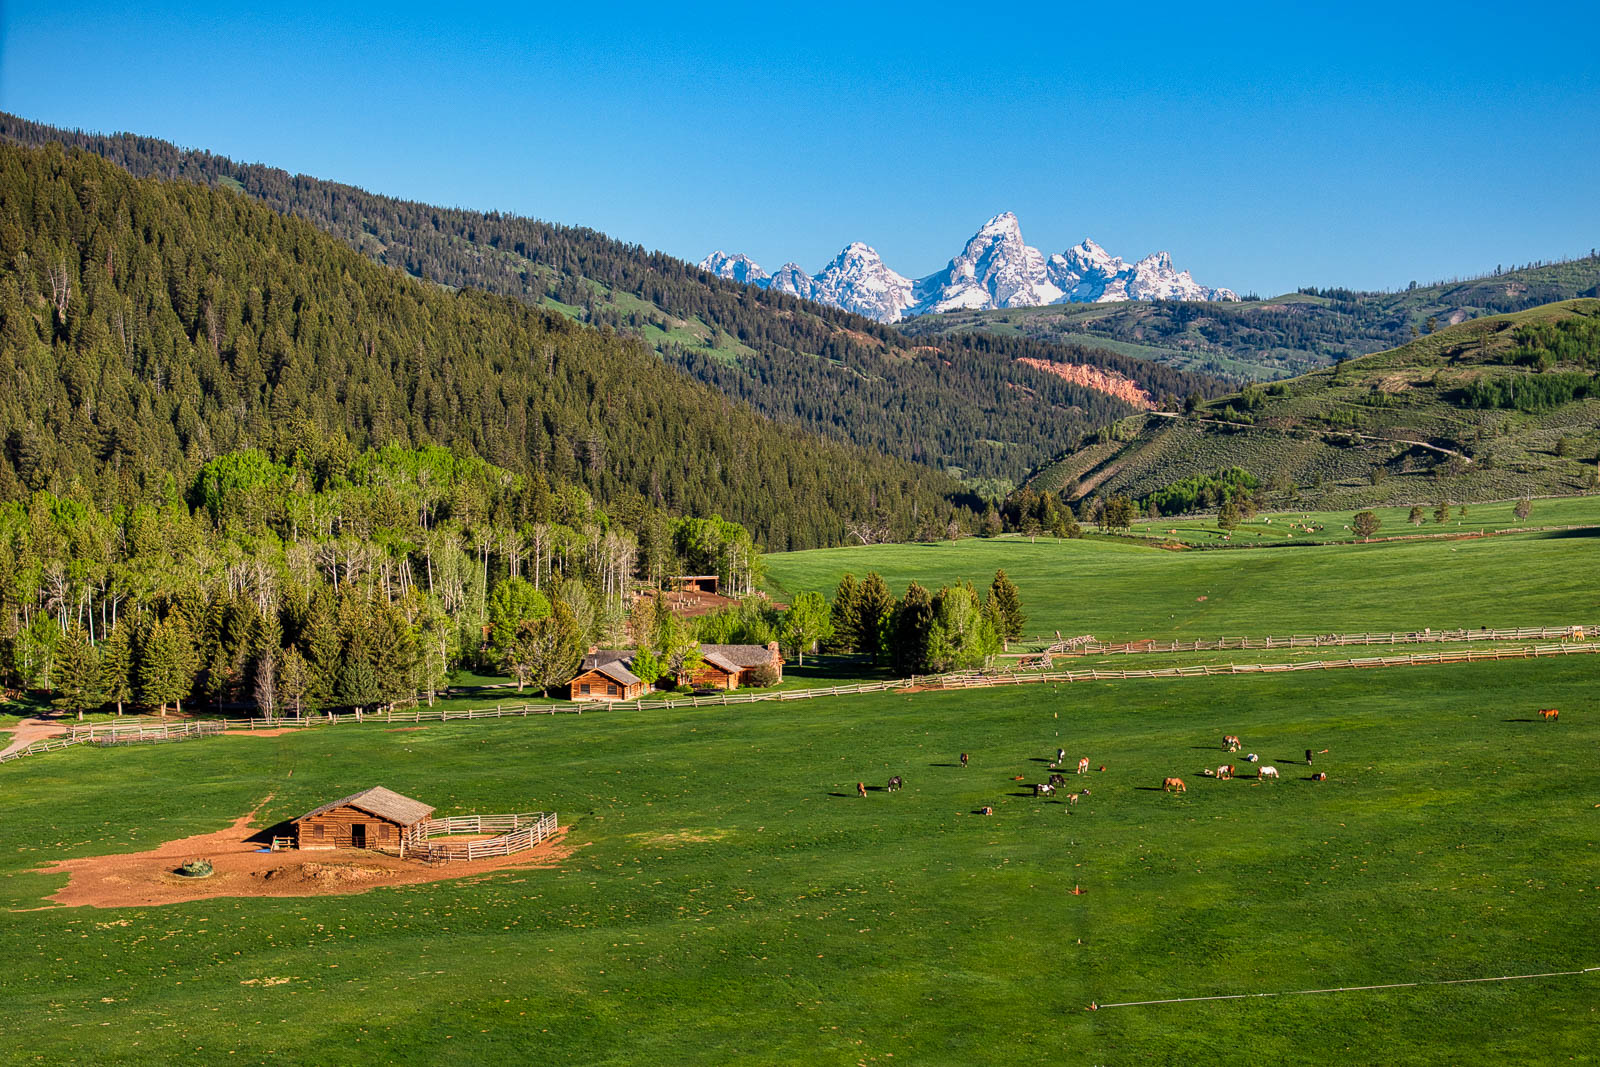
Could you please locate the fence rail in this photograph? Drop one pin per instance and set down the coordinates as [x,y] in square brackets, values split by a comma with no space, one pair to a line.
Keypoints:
[1573,638]
[517,833]
[1525,633]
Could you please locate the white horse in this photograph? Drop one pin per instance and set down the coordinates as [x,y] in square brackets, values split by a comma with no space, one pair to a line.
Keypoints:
[1268,772]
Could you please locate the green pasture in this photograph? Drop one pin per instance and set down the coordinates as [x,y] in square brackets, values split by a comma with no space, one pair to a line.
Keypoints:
[733,901]
[1117,589]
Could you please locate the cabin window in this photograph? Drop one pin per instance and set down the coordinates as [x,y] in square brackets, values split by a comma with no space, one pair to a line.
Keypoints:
[383,831]
[320,828]
[611,690]
[584,689]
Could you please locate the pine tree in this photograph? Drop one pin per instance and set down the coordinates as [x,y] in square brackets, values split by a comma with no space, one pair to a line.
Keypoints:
[168,663]
[874,604]
[116,667]
[1008,605]
[909,630]
[77,672]
[844,613]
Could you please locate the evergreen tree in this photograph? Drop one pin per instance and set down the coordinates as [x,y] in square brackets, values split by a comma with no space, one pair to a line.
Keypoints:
[874,605]
[844,615]
[1008,605]
[168,663]
[116,667]
[909,630]
[77,672]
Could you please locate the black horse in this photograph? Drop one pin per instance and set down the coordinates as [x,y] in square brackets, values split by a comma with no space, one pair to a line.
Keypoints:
[895,783]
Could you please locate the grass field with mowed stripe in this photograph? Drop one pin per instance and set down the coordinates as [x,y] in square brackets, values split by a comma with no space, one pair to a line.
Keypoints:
[734,901]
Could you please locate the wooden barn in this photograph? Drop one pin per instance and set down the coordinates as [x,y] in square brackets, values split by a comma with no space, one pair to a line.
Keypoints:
[604,675]
[730,666]
[372,818]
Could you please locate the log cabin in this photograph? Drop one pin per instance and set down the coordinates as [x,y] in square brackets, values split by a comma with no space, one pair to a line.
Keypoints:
[372,818]
[730,666]
[604,675]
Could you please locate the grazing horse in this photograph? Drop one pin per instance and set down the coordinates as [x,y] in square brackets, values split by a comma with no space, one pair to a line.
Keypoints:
[1320,776]
[1061,755]
[1550,714]
[1267,772]
[895,783]
[1056,779]
[963,759]
[1225,771]
[1231,743]
[1173,785]
[1043,789]
[1252,758]
[987,810]
[861,789]
[1072,798]
[1083,765]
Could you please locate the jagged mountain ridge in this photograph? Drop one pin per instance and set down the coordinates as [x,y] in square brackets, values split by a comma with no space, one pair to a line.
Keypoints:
[995,269]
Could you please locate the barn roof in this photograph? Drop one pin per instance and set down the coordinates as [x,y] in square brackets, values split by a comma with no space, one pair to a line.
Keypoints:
[741,656]
[384,803]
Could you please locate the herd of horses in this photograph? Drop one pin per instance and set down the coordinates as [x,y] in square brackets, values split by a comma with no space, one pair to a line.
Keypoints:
[1230,743]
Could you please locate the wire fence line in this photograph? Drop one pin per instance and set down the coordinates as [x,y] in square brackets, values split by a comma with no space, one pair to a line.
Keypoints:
[1344,989]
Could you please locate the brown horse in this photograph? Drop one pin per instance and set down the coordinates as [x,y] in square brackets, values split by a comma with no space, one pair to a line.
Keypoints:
[1173,785]
[1225,771]
[1083,765]
[1550,714]
[1231,743]
[963,759]
[861,789]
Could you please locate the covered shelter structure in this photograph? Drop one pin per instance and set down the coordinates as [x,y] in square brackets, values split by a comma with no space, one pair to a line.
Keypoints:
[695,583]
[372,818]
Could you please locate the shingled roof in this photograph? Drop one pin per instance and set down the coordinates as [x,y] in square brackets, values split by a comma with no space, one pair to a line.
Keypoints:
[618,673]
[742,656]
[384,803]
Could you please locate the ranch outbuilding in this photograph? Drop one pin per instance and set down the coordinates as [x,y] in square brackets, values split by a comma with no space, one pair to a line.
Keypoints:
[604,675]
[372,818]
[730,666]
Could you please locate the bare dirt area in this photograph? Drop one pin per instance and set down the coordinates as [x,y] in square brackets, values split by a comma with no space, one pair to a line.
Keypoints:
[140,879]
[28,731]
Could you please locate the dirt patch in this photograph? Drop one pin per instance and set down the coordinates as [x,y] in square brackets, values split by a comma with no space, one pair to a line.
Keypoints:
[403,729]
[682,837]
[139,879]
[275,731]
[28,731]
[1104,381]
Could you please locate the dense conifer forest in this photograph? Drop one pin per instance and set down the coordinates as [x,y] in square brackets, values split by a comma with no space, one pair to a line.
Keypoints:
[958,403]
[243,464]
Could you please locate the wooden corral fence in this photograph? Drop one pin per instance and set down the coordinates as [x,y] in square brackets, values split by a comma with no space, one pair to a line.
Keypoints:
[513,834]
[120,734]
[1525,633]
[979,680]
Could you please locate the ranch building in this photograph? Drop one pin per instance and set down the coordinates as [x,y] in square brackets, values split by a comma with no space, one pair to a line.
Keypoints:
[372,818]
[604,675]
[730,666]
[695,583]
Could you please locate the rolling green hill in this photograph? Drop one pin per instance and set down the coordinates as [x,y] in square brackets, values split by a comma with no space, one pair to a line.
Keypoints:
[1496,407]
[950,404]
[149,326]
[1286,335]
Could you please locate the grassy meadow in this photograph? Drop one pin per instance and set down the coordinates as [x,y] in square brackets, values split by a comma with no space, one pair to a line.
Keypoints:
[1116,589]
[733,900]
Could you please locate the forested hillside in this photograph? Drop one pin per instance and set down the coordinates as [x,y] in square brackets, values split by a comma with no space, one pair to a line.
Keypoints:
[1495,408]
[147,327]
[955,404]
[1265,339]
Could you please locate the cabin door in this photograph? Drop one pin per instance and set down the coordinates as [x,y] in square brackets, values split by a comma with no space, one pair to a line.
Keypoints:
[358,835]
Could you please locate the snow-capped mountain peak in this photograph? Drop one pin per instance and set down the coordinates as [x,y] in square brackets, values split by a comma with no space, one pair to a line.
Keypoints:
[737,267]
[995,269]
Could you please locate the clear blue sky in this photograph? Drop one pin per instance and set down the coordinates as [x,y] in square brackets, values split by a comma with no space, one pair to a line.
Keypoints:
[1265,148]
